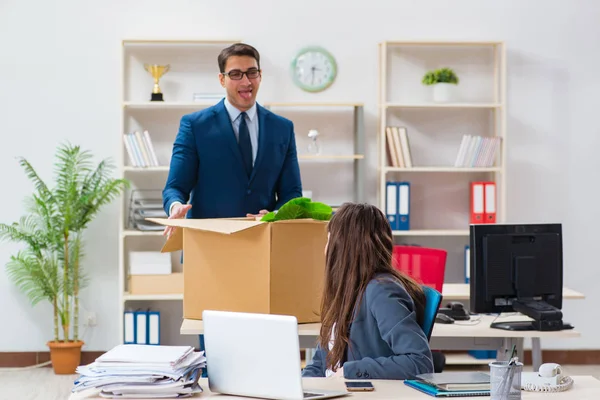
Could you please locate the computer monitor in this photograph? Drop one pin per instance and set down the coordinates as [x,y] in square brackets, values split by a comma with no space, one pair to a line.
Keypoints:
[518,268]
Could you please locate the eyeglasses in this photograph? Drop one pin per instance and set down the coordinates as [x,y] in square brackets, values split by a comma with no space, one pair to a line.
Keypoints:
[236,74]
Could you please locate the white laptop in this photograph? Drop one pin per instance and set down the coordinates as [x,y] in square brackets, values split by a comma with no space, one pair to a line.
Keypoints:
[255,355]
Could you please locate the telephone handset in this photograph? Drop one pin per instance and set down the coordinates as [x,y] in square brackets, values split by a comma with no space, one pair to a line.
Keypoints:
[549,378]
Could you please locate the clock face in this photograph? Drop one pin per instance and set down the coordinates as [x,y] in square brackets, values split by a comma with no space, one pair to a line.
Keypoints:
[314,69]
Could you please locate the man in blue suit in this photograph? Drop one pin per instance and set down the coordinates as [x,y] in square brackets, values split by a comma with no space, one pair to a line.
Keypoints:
[235,158]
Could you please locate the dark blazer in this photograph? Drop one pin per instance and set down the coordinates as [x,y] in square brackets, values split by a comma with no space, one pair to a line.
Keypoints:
[206,166]
[386,342]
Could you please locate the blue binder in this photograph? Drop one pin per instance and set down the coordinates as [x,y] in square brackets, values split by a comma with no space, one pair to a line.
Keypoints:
[467,264]
[403,215]
[129,325]
[391,204]
[141,327]
[153,328]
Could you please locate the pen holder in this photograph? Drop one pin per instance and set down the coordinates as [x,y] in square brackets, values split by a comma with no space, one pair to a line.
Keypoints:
[505,380]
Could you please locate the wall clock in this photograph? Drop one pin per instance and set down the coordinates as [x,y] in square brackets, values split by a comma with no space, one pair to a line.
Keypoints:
[313,69]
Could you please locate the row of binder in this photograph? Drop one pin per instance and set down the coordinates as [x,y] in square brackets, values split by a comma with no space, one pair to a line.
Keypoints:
[141,327]
[398,205]
[483,203]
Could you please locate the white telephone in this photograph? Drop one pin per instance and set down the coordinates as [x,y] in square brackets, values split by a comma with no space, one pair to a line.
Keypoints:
[549,378]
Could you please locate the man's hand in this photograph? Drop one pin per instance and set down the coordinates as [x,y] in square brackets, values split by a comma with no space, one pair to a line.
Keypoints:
[178,211]
[261,213]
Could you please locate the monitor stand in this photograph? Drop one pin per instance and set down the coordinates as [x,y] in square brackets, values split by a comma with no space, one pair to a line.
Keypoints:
[545,317]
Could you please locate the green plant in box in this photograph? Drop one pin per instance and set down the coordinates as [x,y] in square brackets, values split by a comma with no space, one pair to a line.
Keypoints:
[300,208]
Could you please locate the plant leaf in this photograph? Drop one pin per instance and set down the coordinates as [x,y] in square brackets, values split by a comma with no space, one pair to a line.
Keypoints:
[268,217]
[291,211]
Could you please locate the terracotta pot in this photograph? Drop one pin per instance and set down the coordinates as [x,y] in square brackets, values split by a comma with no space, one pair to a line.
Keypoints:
[65,357]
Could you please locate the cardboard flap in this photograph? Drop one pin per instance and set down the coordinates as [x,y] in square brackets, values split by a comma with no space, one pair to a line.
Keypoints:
[218,225]
[174,242]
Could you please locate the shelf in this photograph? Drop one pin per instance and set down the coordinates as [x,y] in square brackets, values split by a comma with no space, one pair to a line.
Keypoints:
[162,168]
[442,105]
[175,42]
[133,297]
[333,156]
[141,105]
[144,105]
[443,169]
[432,232]
[441,43]
[308,104]
[132,232]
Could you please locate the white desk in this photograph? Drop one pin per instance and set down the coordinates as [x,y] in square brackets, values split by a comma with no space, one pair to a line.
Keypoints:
[585,388]
[462,291]
[462,335]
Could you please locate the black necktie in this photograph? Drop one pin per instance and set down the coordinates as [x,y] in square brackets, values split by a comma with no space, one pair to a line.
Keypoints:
[245,144]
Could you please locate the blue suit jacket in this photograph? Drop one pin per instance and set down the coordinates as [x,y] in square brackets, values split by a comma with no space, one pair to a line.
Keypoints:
[206,166]
[386,342]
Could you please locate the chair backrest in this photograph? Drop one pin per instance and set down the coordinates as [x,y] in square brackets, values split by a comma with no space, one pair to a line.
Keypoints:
[433,299]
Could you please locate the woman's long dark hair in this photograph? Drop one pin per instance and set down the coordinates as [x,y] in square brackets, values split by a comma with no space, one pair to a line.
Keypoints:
[360,247]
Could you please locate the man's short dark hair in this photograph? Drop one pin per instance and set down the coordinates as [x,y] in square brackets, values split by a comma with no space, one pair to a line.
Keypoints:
[237,49]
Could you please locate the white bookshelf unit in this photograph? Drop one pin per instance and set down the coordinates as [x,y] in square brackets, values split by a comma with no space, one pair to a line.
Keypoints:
[193,69]
[439,188]
[439,184]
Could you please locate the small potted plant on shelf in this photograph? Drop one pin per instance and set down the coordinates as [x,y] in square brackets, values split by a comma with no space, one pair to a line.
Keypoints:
[444,81]
[49,266]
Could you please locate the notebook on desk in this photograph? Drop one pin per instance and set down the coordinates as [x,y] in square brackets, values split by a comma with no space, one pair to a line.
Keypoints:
[434,391]
[457,380]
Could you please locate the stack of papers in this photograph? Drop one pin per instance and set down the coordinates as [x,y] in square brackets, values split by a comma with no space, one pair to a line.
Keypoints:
[143,371]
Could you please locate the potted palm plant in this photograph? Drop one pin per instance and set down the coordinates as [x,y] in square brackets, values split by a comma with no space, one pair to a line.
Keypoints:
[49,266]
[444,81]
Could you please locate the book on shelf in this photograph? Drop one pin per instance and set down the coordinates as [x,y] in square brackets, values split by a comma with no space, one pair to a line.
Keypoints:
[140,149]
[477,151]
[398,148]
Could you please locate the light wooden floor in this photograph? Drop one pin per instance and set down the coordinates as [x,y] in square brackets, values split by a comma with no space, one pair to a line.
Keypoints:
[42,384]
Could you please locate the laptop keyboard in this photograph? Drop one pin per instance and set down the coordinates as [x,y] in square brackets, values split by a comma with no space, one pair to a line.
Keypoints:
[308,395]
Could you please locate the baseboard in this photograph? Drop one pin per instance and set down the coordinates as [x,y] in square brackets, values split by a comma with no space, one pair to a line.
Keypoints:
[27,358]
[563,357]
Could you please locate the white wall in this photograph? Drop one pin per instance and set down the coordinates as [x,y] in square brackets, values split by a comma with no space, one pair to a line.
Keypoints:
[59,80]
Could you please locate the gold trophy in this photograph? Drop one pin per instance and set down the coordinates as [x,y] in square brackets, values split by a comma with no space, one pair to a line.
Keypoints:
[157,71]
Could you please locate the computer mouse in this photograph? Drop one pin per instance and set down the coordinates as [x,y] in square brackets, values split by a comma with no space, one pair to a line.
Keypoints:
[444,319]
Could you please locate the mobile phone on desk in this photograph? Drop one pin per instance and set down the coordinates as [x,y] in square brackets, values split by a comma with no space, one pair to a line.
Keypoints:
[361,386]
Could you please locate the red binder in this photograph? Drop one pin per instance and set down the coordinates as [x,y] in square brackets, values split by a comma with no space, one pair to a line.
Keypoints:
[489,202]
[477,202]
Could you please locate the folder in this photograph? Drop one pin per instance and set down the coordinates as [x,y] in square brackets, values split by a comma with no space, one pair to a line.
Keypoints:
[467,264]
[153,327]
[490,202]
[403,206]
[141,327]
[391,204]
[477,202]
[129,327]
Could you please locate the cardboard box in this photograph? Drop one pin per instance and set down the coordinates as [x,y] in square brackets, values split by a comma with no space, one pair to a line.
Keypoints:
[250,266]
[156,284]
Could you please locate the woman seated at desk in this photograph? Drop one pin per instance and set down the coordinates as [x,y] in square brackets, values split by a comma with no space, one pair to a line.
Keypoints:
[371,314]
